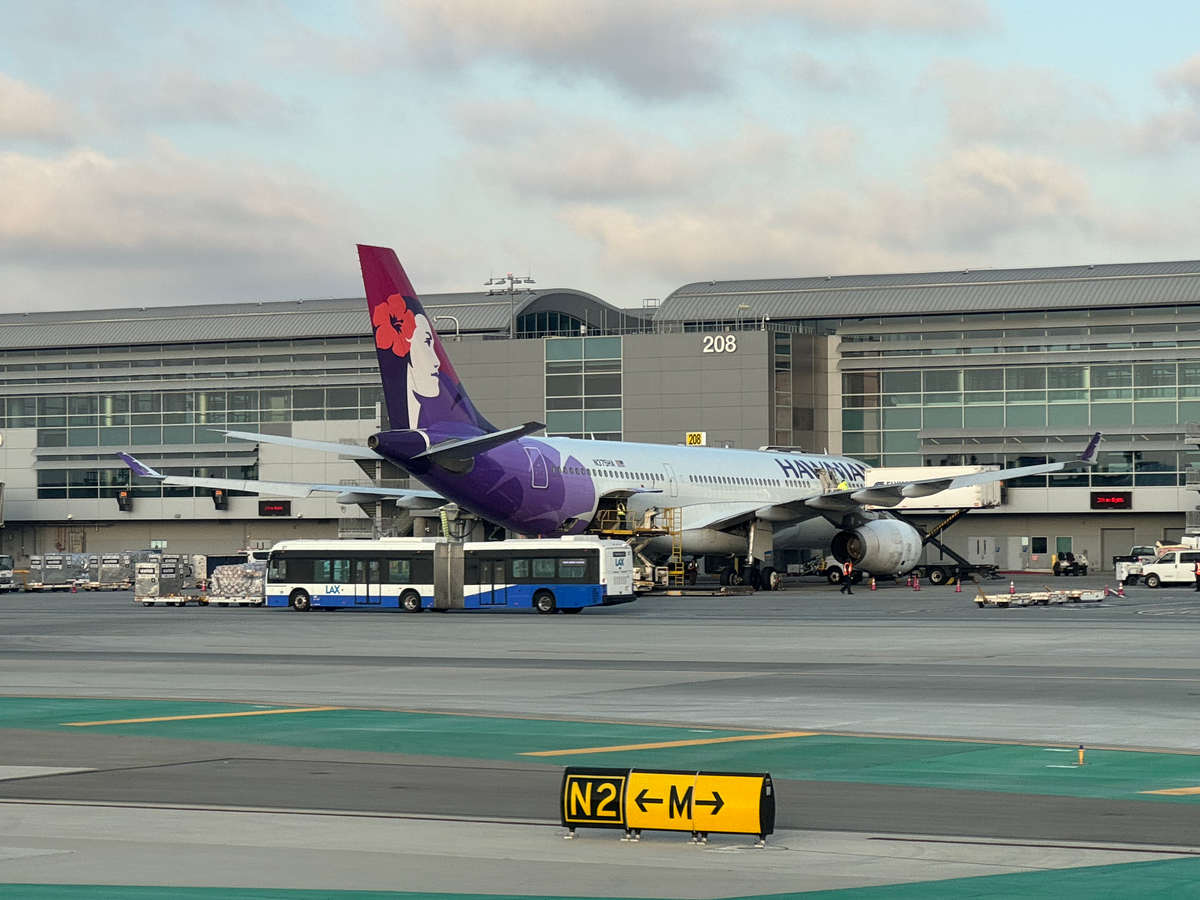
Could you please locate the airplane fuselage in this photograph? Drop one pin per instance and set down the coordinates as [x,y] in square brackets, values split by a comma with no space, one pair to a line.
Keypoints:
[537,485]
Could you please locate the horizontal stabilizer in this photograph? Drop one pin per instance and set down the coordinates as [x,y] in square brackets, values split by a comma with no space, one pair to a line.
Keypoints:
[351,450]
[467,448]
[346,493]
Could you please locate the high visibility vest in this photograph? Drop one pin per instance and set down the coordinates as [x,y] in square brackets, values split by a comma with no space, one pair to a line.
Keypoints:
[849,567]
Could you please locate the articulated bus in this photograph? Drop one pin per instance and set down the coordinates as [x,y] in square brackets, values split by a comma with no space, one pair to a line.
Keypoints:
[414,574]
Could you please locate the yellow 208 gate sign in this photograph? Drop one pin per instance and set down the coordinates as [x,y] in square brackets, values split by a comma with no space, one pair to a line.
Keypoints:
[661,800]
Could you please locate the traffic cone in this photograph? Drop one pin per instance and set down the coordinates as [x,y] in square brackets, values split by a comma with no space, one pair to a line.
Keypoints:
[1106,590]
[916,584]
[910,579]
[73,590]
[1012,587]
[872,582]
[1120,589]
[958,586]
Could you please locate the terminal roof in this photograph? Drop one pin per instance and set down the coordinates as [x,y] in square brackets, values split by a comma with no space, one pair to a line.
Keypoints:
[962,290]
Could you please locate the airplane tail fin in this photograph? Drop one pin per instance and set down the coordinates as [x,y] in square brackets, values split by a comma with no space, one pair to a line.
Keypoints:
[420,387]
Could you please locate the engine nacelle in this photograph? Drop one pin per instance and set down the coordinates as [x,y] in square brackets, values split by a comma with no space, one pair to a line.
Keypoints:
[882,547]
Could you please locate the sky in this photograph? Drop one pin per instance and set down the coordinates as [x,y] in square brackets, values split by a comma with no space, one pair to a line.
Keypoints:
[161,153]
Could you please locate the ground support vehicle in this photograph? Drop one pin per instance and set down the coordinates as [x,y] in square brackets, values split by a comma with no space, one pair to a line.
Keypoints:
[57,572]
[1037,598]
[958,568]
[168,579]
[1172,567]
[415,574]
[8,581]
[1128,569]
[1069,564]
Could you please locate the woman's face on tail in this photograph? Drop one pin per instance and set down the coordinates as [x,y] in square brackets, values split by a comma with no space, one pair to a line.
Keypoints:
[424,360]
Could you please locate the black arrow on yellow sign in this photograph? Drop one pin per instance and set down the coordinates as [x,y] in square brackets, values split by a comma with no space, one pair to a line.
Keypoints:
[641,799]
[716,803]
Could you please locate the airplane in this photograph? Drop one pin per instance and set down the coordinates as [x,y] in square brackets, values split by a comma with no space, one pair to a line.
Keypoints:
[737,503]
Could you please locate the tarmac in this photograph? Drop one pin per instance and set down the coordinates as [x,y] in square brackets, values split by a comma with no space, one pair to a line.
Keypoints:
[919,745]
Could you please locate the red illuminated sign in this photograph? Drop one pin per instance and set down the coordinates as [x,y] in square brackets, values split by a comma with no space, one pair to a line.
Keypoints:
[1112,499]
[274,507]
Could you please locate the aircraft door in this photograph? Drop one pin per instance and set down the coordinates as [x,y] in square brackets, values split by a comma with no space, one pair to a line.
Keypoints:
[672,485]
[539,471]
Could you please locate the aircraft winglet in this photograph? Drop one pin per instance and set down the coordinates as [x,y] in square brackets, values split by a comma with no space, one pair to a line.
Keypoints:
[1088,456]
[139,468]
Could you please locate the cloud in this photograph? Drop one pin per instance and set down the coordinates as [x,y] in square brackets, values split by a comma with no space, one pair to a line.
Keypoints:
[977,194]
[654,49]
[831,145]
[965,207]
[1182,79]
[182,228]
[834,77]
[1022,104]
[29,113]
[544,154]
[178,94]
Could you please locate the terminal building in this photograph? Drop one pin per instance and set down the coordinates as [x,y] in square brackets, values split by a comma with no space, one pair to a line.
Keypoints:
[1003,367]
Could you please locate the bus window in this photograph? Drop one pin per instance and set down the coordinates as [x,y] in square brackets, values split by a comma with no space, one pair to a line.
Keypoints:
[399,571]
[333,571]
[520,568]
[277,569]
[543,568]
[572,568]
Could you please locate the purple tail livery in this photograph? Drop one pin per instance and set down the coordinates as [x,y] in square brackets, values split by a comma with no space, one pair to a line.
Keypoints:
[420,386]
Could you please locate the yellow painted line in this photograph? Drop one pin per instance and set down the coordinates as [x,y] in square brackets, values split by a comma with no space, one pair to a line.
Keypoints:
[664,744]
[1176,792]
[232,715]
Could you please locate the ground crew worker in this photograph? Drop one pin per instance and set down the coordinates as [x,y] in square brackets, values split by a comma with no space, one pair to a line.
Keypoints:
[847,576]
[1198,574]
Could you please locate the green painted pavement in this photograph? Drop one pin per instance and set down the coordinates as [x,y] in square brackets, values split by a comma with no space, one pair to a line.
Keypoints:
[1108,774]
[1175,879]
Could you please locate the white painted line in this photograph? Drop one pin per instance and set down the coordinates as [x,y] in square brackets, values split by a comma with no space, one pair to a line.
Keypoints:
[11,773]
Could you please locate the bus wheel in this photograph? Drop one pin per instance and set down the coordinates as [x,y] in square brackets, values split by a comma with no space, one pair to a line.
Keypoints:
[544,602]
[410,601]
[572,609]
[300,601]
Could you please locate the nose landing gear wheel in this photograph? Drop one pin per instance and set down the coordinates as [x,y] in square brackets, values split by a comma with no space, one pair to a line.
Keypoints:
[770,578]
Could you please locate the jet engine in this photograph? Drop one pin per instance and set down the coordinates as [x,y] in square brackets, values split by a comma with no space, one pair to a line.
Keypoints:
[882,547]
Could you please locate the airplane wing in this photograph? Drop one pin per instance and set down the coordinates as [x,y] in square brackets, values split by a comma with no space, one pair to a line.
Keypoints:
[346,493]
[892,494]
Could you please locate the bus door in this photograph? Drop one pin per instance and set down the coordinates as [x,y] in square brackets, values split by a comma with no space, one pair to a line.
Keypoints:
[492,586]
[368,591]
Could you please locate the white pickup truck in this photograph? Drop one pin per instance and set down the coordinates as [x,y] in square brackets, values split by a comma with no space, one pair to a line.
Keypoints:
[1172,567]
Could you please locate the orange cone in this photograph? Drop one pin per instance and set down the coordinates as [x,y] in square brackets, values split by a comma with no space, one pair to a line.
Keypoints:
[958,585]
[916,584]
[1120,590]
[1012,587]
[872,582]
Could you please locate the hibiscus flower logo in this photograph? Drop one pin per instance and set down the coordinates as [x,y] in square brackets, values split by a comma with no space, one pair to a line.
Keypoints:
[394,324]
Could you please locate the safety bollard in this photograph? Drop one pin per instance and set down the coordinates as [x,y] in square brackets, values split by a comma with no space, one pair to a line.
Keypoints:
[872,582]
[1012,587]
[1081,754]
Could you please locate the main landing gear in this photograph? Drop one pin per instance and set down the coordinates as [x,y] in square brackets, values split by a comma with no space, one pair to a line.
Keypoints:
[766,578]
